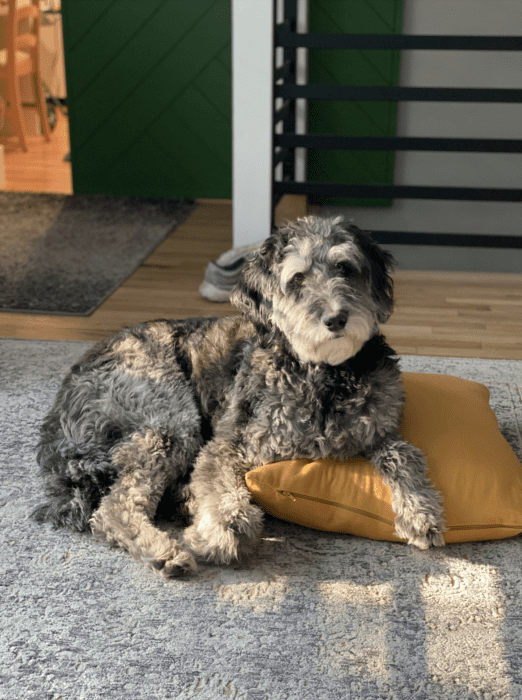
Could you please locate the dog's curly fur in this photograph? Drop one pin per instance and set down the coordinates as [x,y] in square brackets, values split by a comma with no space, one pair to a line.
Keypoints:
[188,407]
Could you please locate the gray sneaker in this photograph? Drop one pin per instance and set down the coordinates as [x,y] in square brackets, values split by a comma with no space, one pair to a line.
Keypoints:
[222,274]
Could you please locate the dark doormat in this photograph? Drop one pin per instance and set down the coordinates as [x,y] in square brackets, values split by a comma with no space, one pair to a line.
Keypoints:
[65,254]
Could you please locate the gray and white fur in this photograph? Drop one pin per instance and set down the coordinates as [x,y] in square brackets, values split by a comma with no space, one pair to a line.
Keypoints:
[179,411]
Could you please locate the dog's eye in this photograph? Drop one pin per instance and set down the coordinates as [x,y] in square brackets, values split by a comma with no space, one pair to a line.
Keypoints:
[345,268]
[295,282]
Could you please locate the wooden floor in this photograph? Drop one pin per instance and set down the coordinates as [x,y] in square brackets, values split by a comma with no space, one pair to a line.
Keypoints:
[42,168]
[444,314]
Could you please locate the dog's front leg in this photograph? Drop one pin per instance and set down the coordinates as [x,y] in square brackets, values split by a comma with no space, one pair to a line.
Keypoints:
[226,525]
[420,515]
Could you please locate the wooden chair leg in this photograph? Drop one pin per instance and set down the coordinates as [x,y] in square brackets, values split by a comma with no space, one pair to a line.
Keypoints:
[42,106]
[15,106]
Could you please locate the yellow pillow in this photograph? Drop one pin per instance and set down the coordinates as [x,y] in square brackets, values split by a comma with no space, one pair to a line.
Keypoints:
[469,461]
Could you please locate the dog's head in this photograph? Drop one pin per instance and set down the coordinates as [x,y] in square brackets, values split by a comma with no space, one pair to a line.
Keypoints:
[324,283]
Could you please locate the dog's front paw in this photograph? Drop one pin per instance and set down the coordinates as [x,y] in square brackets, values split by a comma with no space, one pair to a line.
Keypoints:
[174,566]
[420,531]
[225,538]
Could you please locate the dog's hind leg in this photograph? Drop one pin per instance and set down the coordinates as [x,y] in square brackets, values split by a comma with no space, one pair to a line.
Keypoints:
[417,504]
[125,515]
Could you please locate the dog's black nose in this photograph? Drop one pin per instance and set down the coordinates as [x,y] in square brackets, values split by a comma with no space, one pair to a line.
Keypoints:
[337,322]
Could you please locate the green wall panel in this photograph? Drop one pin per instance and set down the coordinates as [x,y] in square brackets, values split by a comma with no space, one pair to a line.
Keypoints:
[149,95]
[353,118]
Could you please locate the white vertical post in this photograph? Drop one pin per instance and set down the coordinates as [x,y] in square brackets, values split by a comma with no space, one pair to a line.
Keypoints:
[252,119]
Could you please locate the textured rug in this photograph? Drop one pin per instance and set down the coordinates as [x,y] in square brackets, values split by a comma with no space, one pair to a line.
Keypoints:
[65,254]
[314,616]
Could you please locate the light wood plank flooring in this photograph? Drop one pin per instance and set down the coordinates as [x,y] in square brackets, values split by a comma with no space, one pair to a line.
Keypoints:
[445,314]
[457,315]
[437,313]
[42,168]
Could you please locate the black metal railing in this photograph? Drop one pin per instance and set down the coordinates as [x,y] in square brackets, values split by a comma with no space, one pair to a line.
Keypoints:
[285,143]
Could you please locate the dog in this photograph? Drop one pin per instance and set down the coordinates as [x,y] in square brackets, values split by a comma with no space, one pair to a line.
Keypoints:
[183,409]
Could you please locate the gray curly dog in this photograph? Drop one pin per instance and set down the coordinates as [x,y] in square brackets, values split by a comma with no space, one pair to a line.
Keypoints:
[179,411]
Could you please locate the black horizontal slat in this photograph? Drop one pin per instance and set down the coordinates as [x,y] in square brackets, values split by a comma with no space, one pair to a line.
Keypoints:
[397,143]
[338,189]
[446,239]
[319,40]
[319,91]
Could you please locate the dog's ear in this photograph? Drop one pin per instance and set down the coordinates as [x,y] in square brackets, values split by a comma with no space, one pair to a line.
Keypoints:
[382,264]
[253,293]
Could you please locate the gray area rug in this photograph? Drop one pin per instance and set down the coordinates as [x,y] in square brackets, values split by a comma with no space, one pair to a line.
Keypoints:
[65,254]
[314,616]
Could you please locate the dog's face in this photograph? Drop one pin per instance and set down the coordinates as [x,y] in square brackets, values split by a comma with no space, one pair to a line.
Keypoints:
[323,283]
